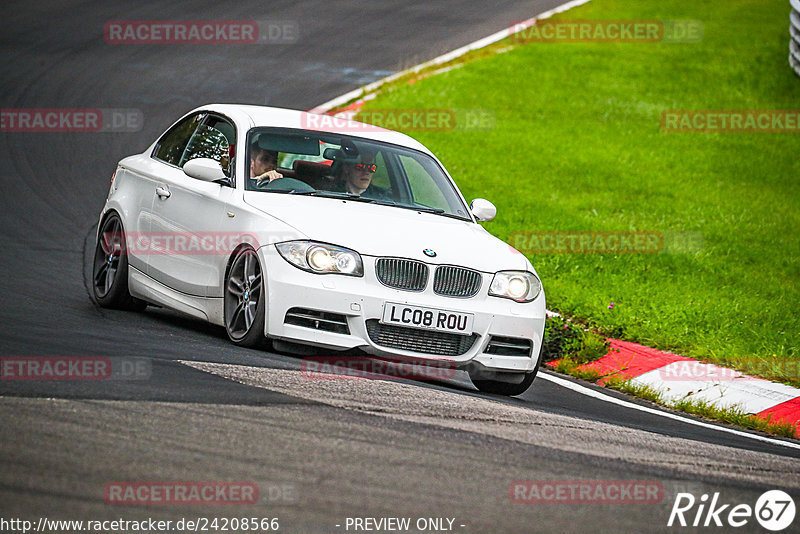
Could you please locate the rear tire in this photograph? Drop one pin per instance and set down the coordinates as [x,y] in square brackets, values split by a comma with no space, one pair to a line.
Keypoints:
[245,300]
[110,268]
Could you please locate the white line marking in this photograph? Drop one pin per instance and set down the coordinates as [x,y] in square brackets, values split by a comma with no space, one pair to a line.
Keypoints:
[444,58]
[613,400]
[731,388]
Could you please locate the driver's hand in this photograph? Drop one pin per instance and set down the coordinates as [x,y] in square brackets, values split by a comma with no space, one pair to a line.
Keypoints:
[267,177]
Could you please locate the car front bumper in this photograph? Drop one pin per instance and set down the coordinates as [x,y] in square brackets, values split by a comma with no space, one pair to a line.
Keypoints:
[361,300]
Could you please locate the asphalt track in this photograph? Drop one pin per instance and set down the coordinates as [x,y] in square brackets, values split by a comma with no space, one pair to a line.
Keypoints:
[210,411]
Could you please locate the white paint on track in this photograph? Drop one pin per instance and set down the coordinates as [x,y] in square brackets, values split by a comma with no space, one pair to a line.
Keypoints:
[696,381]
[583,390]
[437,406]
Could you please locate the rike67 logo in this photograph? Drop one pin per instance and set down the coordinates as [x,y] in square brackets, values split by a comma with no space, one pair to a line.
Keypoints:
[774,510]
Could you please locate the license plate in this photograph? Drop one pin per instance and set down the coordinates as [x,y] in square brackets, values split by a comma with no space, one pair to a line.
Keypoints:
[427,318]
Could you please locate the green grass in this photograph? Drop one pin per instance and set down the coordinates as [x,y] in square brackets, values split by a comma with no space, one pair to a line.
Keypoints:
[735,416]
[639,390]
[577,145]
[568,366]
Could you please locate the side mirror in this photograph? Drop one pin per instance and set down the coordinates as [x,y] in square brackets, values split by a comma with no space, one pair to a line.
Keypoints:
[205,169]
[482,209]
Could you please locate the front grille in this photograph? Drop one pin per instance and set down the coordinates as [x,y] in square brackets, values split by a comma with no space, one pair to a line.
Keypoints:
[318,320]
[416,340]
[456,281]
[509,346]
[409,275]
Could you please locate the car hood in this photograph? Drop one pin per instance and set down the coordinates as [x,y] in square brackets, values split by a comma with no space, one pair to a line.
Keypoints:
[374,230]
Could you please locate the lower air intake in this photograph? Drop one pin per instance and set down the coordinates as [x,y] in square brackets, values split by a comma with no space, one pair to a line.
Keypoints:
[416,340]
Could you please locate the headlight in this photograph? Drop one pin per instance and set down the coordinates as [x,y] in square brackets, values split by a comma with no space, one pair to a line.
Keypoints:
[321,258]
[521,286]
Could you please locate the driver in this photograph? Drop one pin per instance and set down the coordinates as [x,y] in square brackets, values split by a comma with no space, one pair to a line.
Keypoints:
[356,178]
[263,164]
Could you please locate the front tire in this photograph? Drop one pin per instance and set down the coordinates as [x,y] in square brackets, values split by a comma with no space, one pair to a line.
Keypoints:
[110,268]
[486,384]
[486,381]
[245,300]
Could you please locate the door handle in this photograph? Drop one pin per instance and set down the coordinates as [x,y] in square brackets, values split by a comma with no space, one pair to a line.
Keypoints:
[162,192]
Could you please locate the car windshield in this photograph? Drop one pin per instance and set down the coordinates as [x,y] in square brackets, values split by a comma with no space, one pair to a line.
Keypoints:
[334,165]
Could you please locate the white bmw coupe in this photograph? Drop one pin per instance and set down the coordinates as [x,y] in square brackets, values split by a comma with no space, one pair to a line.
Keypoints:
[297,228]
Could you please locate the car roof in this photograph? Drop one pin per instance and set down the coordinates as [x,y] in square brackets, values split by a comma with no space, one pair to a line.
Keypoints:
[265,116]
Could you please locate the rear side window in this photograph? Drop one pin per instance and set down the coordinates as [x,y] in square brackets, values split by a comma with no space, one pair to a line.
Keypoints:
[173,143]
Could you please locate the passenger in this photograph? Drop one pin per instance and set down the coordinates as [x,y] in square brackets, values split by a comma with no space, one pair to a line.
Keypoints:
[356,178]
[262,165]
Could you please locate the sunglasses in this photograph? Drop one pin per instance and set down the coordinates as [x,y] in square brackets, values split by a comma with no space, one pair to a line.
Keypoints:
[369,167]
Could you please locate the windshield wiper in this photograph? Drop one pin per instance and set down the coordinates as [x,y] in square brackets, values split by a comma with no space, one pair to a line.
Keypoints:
[429,209]
[359,198]
[382,202]
[326,194]
[426,209]
[344,196]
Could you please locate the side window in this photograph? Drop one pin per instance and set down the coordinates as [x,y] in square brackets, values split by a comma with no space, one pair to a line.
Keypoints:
[173,143]
[212,139]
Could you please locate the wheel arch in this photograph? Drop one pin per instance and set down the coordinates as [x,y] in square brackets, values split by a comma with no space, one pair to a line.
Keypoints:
[108,213]
[235,252]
